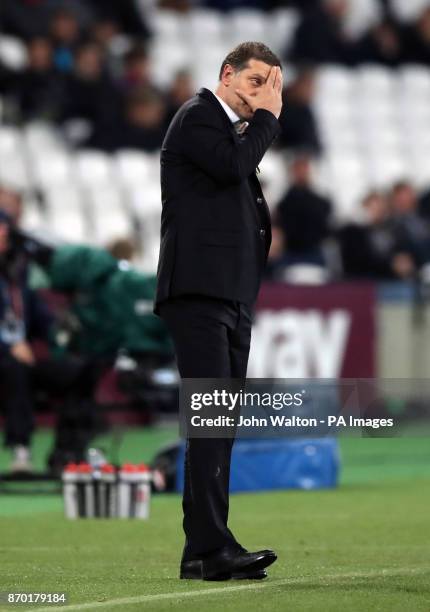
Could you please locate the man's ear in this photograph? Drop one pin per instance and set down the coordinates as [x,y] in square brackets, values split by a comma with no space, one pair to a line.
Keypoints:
[227,75]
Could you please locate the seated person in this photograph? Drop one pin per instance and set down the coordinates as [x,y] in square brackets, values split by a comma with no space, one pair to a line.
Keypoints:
[371,250]
[24,317]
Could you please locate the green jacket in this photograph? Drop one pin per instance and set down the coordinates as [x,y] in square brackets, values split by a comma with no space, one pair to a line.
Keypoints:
[112,301]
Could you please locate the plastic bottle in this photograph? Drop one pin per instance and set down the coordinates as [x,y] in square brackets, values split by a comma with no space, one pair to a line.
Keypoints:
[127,480]
[142,492]
[86,485]
[107,491]
[70,491]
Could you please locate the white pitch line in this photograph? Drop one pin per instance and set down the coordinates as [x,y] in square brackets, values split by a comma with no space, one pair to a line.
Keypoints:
[233,589]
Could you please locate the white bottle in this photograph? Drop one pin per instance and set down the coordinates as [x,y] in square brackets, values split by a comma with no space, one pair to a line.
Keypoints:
[107,491]
[85,472]
[142,492]
[126,482]
[70,491]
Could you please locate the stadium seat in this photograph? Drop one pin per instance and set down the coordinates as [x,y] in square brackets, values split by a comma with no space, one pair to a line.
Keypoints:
[104,199]
[65,213]
[109,217]
[93,168]
[52,169]
[205,70]
[334,82]
[132,168]
[42,139]
[13,171]
[385,169]
[13,53]
[205,27]
[414,80]
[362,15]
[384,140]
[345,179]
[166,25]
[407,11]
[167,58]
[10,140]
[375,82]
[282,25]
[249,21]
[145,200]
[420,167]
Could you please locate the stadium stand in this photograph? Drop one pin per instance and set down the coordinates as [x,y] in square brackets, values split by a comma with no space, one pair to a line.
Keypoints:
[373,121]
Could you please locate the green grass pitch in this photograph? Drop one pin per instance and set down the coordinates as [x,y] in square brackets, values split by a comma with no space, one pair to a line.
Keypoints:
[362,547]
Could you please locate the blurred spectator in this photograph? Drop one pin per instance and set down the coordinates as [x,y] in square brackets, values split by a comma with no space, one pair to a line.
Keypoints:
[136,69]
[303,216]
[143,126]
[24,18]
[370,250]
[180,91]
[416,40]
[37,90]
[381,45]
[411,231]
[125,14]
[227,5]
[123,249]
[299,127]
[320,36]
[89,92]
[11,204]
[65,33]
[24,317]
[181,6]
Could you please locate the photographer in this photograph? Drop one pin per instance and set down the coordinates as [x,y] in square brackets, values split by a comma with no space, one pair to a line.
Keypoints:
[24,317]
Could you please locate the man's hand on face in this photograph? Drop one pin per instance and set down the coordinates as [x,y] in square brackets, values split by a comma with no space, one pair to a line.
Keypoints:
[23,353]
[269,95]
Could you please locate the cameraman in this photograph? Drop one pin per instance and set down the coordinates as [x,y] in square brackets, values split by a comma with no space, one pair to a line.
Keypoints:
[24,317]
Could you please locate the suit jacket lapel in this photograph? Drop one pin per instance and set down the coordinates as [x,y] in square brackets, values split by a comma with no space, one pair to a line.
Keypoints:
[209,96]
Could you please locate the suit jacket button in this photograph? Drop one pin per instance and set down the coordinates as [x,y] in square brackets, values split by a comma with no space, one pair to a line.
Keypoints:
[262,233]
[259,200]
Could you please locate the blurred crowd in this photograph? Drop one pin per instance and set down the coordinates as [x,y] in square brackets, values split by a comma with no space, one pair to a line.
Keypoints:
[89,60]
[390,240]
[72,76]
[107,100]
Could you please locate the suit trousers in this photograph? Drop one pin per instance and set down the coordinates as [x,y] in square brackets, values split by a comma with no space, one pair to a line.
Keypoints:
[211,338]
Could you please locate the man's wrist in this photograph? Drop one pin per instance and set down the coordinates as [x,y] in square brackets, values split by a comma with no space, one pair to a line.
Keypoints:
[266,113]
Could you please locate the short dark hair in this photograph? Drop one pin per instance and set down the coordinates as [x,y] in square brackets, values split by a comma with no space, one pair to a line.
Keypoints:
[239,57]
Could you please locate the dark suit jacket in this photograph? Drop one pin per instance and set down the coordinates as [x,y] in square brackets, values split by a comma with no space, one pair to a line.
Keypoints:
[215,224]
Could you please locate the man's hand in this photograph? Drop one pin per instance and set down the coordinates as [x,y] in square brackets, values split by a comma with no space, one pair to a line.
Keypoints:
[269,95]
[23,353]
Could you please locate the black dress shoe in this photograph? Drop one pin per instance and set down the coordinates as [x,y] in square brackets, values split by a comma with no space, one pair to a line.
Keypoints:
[226,562]
[192,570]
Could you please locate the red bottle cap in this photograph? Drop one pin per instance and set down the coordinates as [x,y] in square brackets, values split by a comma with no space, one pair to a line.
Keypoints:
[108,468]
[71,467]
[142,467]
[85,468]
[129,467]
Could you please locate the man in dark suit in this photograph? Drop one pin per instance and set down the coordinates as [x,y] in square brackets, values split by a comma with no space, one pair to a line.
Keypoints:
[215,238]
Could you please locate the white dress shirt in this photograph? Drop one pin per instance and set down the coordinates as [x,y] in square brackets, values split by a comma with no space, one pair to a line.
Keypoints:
[229,111]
